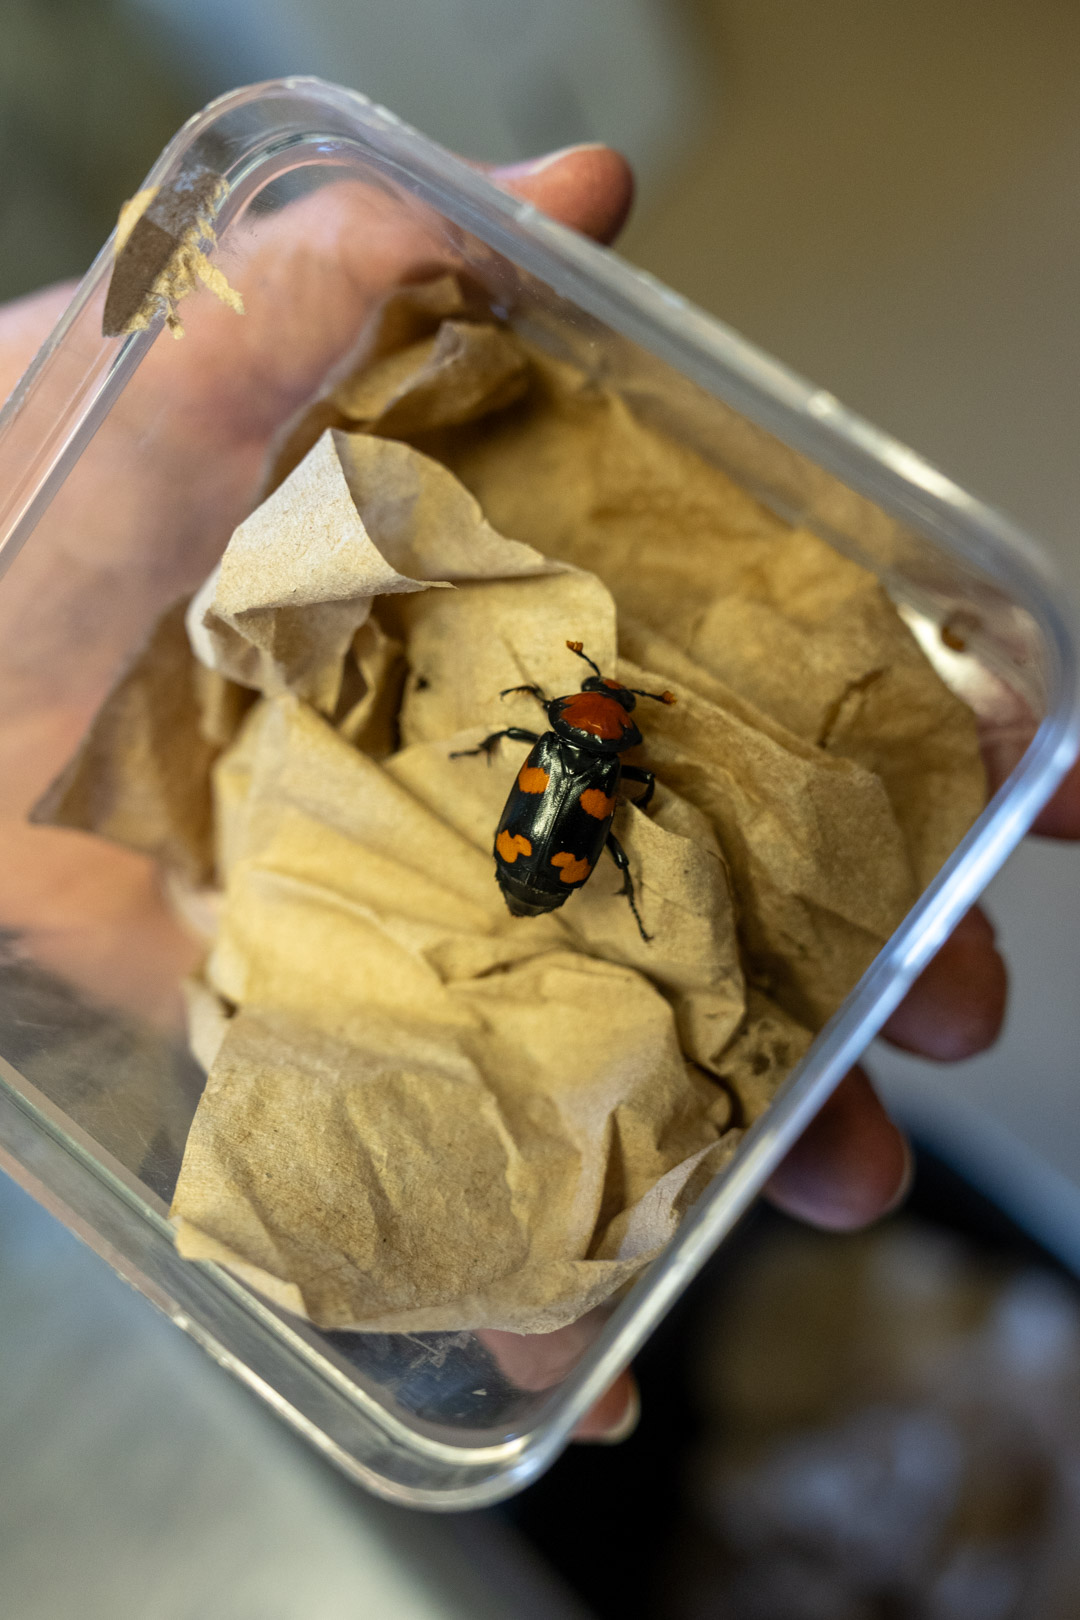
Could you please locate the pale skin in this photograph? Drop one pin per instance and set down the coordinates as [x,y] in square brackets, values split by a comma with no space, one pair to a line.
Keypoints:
[230,385]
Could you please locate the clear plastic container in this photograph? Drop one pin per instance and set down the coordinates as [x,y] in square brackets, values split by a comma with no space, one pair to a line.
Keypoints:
[93,1109]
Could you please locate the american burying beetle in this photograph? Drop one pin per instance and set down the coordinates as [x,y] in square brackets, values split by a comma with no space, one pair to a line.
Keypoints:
[557,819]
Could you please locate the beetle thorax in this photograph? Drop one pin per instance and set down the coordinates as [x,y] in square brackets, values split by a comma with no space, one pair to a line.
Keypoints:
[593,720]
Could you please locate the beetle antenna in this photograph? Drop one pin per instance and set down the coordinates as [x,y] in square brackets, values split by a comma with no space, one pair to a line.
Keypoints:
[576,647]
[657,697]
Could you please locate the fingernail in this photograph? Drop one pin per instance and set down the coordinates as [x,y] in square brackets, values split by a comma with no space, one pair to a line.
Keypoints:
[907,1177]
[626,1424]
[530,166]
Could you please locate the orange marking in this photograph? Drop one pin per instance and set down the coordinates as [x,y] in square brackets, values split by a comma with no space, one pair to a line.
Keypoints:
[616,686]
[596,803]
[602,716]
[532,778]
[510,845]
[573,870]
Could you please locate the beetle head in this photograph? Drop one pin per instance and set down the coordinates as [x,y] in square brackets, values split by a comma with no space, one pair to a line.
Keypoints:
[603,683]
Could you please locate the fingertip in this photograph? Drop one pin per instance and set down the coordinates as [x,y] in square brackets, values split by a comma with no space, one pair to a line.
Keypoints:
[905,1184]
[589,188]
[956,1007]
[1061,817]
[615,1415]
[851,1166]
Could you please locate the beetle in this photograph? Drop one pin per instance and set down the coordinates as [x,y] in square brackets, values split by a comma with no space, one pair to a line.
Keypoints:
[557,820]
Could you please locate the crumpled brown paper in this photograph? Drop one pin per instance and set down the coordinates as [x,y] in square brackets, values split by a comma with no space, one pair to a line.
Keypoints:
[422,1113]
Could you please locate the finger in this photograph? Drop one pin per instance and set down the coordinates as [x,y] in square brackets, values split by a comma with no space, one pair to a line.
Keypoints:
[1002,752]
[615,1415]
[590,188]
[1061,817]
[311,275]
[25,323]
[956,1006]
[850,1166]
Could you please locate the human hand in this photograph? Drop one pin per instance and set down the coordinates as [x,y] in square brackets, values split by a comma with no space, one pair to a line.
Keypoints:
[228,389]
[852,1165]
[137,524]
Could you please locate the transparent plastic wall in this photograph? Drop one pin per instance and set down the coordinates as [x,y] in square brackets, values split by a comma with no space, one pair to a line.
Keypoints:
[95,1101]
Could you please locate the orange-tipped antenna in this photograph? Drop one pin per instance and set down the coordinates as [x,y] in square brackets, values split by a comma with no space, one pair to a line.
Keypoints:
[576,647]
[657,697]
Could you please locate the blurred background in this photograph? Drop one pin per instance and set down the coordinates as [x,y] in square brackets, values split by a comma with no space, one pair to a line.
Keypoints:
[887,198]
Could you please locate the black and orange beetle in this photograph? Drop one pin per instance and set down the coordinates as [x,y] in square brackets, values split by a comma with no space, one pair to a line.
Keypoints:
[557,820]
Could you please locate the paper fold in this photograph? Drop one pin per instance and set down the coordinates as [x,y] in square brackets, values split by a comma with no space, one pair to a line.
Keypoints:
[422,1113]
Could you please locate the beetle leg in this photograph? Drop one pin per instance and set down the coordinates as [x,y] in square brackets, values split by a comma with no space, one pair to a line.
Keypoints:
[635,773]
[622,861]
[489,744]
[533,691]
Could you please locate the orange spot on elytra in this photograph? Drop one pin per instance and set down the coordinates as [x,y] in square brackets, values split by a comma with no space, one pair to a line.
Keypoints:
[596,713]
[511,845]
[533,778]
[573,869]
[595,803]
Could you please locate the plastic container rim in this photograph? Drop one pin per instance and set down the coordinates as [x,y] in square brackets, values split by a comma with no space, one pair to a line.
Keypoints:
[808,420]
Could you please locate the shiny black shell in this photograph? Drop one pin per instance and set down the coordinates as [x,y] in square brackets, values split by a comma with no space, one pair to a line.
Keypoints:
[556,820]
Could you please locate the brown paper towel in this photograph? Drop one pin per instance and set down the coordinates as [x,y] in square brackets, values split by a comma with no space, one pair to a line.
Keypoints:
[421,1112]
